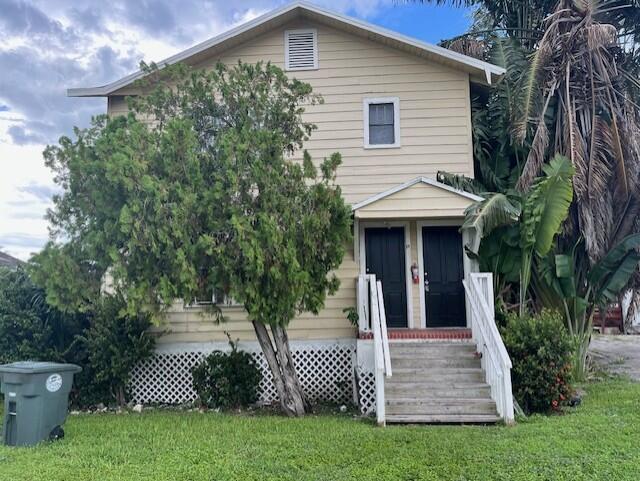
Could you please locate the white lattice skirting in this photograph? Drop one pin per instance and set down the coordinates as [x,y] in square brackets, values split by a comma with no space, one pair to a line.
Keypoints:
[325,369]
[366,391]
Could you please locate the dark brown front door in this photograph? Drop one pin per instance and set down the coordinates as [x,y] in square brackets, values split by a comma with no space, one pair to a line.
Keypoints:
[384,250]
[443,272]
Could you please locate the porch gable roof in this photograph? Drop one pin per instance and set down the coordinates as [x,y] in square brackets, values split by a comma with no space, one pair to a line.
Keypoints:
[421,197]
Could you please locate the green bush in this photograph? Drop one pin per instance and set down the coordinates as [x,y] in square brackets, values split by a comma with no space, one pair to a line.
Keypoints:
[541,351]
[115,344]
[29,328]
[104,343]
[227,379]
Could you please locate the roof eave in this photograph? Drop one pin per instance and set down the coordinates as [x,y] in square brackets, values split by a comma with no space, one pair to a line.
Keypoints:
[485,72]
[88,92]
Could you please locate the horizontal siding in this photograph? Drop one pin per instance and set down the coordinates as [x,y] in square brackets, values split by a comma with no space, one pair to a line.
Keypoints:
[434,108]
[435,135]
[194,325]
[418,201]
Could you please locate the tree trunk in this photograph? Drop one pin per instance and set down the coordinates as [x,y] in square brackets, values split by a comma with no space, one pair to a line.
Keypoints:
[286,359]
[121,400]
[281,366]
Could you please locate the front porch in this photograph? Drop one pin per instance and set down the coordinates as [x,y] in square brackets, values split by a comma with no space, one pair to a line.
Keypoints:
[410,238]
[426,322]
[455,375]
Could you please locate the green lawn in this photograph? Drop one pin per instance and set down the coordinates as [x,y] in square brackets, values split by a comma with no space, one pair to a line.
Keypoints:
[598,441]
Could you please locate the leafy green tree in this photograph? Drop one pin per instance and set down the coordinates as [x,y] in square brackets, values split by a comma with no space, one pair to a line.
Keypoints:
[103,342]
[561,282]
[195,191]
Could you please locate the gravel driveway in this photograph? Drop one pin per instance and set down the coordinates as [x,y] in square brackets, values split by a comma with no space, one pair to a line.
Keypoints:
[618,354]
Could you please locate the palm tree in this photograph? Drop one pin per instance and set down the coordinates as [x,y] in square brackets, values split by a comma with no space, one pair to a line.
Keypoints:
[580,100]
[577,94]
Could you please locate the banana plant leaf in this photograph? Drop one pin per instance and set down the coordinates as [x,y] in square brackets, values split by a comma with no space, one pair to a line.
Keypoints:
[496,210]
[547,205]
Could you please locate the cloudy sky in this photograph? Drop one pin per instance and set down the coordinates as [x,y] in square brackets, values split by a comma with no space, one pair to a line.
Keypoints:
[47,46]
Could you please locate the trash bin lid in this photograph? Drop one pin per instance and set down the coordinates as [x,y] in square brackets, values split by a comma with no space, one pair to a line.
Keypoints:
[34,367]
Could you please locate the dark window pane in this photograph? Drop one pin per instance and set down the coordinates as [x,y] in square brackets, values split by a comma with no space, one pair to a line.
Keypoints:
[381,134]
[381,122]
[381,114]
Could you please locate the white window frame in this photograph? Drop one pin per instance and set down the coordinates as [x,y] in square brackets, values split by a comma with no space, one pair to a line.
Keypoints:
[315,49]
[396,121]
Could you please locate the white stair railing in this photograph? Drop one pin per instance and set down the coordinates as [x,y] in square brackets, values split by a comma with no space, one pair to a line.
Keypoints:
[495,359]
[364,324]
[372,318]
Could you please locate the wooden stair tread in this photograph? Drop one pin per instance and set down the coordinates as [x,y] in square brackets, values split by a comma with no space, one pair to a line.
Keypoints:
[437,382]
[442,418]
[447,401]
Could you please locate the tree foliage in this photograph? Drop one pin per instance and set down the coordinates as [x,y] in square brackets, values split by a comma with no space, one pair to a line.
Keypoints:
[103,342]
[29,329]
[198,189]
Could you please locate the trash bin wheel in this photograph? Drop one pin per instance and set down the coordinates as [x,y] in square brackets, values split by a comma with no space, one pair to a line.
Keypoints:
[56,433]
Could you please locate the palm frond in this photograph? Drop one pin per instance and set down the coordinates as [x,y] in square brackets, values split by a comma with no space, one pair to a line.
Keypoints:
[496,210]
[612,273]
[538,150]
[460,182]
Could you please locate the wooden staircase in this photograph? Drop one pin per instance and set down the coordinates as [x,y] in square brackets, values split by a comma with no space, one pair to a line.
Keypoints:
[437,382]
[421,378]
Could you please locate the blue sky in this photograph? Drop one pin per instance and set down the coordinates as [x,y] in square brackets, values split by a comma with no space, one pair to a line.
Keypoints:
[50,45]
[429,22]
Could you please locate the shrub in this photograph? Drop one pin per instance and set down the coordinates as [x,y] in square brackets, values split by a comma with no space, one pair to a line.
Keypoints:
[227,379]
[541,351]
[105,344]
[29,328]
[115,343]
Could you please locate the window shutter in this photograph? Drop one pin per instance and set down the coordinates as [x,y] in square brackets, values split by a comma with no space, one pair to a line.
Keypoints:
[301,49]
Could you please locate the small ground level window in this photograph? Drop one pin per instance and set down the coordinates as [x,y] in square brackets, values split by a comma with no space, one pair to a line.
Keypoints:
[219,298]
[381,122]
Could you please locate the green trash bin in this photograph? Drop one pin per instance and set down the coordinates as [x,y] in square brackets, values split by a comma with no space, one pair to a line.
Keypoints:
[36,400]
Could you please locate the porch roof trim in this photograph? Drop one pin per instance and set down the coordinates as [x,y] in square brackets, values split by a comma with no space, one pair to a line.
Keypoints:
[406,185]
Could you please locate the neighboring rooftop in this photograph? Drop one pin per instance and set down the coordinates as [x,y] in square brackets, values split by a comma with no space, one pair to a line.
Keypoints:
[9,261]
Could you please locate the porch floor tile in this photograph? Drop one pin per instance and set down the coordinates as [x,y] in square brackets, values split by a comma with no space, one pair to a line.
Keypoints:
[394,334]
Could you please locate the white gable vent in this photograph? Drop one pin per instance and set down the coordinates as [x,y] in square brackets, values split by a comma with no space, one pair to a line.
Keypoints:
[301,49]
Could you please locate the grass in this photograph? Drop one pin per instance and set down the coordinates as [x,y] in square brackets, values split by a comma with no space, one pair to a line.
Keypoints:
[598,440]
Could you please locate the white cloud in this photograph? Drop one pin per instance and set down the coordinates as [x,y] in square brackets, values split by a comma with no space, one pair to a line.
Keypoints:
[50,45]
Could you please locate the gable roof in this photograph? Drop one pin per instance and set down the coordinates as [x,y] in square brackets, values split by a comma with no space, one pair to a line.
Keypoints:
[479,71]
[9,261]
[406,185]
[421,197]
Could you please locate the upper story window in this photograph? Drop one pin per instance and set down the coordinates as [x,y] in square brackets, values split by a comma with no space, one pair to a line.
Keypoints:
[301,49]
[381,123]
